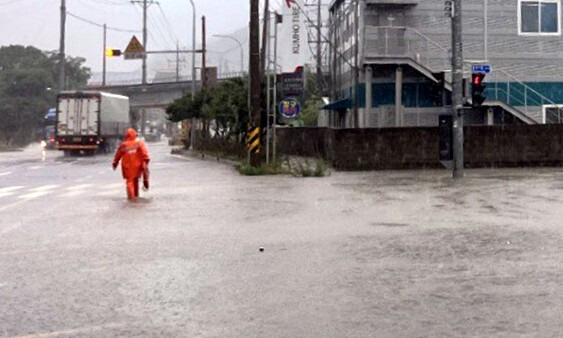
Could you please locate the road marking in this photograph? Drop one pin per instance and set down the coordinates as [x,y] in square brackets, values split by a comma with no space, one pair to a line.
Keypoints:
[79,187]
[73,193]
[73,332]
[108,193]
[33,195]
[11,189]
[6,173]
[36,167]
[112,186]
[6,194]
[45,188]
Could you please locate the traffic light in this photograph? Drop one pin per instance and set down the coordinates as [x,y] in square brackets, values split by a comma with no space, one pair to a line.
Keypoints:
[449,8]
[113,52]
[477,89]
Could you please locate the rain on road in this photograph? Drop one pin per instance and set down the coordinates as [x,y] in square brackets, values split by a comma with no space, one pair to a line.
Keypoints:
[369,254]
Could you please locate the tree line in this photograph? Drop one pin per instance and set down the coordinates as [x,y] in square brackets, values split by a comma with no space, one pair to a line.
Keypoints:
[28,89]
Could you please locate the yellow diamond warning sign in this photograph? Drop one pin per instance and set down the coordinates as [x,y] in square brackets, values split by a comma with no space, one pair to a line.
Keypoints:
[134,49]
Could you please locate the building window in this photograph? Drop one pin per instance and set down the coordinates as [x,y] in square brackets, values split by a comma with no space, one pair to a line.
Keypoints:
[539,17]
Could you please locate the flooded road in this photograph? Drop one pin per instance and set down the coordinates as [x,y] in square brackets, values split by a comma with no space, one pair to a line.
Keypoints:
[377,254]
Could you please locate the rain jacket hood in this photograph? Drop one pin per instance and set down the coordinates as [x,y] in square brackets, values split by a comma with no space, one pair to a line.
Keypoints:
[130,134]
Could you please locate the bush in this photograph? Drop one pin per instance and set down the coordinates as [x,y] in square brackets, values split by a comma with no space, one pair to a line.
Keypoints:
[264,169]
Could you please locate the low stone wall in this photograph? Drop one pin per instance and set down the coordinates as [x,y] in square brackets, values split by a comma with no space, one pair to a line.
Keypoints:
[404,148]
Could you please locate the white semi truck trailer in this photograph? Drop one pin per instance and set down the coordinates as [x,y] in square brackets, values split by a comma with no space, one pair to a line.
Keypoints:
[90,121]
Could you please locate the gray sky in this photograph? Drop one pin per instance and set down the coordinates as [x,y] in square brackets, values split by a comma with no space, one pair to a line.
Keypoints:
[36,22]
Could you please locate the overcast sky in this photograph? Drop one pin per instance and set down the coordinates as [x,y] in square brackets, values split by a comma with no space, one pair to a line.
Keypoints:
[36,22]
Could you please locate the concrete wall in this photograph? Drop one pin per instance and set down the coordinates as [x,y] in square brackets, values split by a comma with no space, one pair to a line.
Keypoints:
[404,148]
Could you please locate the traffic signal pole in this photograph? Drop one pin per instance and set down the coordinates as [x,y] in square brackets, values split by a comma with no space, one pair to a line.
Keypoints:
[105,57]
[457,90]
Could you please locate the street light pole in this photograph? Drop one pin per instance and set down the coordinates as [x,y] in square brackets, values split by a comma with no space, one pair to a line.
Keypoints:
[240,46]
[192,133]
[62,57]
[105,57]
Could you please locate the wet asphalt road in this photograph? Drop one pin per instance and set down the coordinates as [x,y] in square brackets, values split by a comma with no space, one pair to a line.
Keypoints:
[380,254]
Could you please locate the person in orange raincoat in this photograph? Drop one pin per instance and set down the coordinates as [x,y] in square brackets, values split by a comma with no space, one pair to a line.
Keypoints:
[134,158]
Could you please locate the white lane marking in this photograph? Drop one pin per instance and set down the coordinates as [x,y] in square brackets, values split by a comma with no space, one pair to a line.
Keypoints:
[6,194]
[36,167]
[79,187]
[12,188]
[6,173]
[109,193]
[33,195]
[74,193]
[45,187]
[82,331]
[112,186]
[8,191]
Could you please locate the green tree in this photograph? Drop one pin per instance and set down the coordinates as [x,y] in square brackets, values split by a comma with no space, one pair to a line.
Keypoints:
[27,90]
[225,107]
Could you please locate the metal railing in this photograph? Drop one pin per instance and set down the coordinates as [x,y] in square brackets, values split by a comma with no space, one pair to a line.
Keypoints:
[401,42]
[391,41]
[506,88]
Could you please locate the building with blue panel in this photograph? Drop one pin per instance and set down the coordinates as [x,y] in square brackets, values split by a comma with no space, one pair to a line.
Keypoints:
[387,58]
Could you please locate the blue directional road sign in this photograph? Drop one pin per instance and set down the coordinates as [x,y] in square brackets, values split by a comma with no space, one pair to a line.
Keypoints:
[481,69]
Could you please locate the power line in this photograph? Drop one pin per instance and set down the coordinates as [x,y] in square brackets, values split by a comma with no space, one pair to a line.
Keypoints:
[167,23]
[101,25]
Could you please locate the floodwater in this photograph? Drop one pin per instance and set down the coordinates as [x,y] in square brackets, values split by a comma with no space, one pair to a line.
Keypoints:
[368,254]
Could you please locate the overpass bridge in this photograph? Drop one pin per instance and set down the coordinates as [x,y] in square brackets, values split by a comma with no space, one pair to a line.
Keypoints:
[156,95]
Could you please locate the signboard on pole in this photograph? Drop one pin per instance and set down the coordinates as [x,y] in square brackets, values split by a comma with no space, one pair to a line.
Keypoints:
[289,108]
[485,69]
[134,49]
[292,84]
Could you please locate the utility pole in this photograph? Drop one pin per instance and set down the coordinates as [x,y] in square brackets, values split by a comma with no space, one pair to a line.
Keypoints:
[105,57]
[178,61]
[203,54]
[319,49]
[265,41]
[62,58]
[279,20]
[457,90]
[254,73]
[145,6]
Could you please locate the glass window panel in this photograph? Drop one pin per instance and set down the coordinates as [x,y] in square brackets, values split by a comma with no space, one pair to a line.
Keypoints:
[530,17]
[549,17]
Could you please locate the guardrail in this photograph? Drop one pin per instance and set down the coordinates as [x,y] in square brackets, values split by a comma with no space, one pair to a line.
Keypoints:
[170,79]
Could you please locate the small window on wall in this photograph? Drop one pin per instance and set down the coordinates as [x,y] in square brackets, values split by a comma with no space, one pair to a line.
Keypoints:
[539,17]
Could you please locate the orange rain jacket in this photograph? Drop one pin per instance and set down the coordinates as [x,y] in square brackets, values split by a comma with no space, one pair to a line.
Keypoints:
[134,157]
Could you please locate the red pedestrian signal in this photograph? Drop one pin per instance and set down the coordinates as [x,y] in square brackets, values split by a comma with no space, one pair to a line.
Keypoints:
[478,89]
